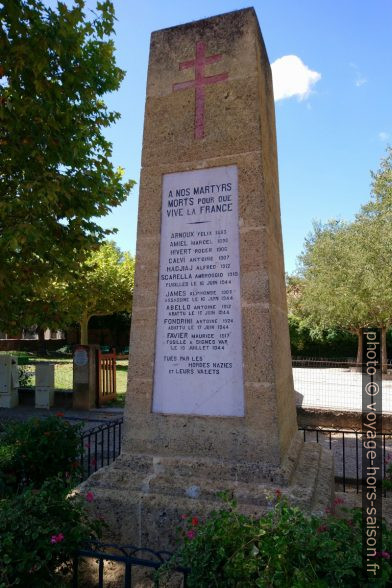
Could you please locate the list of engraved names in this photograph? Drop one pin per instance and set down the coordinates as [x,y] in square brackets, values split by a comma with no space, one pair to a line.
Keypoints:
[198,359]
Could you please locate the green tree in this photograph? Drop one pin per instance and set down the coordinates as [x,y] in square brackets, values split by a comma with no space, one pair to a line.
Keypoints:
[332,274]
[381,188]
[56,176]
[347,275]
[328,269]
[294,289]
[46,306]
[376,218]
[104,286]
[100,286]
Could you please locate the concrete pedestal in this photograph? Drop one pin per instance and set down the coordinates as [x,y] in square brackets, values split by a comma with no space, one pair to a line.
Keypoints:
[44,385]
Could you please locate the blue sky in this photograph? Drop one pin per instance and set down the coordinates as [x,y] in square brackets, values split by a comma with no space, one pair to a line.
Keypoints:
[331,132]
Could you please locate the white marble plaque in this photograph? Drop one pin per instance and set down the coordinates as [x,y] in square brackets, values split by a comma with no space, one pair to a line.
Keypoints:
[198,356]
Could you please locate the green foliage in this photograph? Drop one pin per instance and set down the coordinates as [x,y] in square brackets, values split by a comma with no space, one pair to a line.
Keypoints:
[25,376]
[346,276]
[381,188]
[294,289]
[104,286]
[39,532]
[313,342]
[41,523]
[106,282]
[56,66]
[332,294]
[32,451]
[100,285]
[345,271]
[283,549]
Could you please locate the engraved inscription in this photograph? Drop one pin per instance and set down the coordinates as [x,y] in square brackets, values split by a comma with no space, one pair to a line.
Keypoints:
[198,359]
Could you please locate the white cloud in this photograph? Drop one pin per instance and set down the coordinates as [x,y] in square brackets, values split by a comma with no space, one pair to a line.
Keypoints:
[359,78]
[291,77]
[383,136]
[360,81]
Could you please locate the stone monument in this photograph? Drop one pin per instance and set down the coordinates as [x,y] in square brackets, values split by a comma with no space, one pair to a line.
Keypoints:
[210,403]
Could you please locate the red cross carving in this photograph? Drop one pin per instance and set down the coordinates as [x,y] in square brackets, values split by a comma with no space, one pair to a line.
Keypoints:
[199,82]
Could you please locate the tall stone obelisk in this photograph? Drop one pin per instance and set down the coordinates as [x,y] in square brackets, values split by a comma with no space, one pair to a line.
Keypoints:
[210,403]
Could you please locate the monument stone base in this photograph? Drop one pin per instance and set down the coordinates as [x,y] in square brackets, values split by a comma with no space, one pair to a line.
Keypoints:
[142,497]
[210,401]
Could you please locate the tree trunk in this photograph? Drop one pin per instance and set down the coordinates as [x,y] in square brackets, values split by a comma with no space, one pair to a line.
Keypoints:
[42,341]
[360,347]
[84,329]
[384,353]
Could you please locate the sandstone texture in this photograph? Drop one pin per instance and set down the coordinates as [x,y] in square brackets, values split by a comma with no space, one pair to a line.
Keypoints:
[171,464]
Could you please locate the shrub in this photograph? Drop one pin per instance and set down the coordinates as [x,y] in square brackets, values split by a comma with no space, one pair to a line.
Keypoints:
[25,376]
[283,549]
[32,451]
[39,533]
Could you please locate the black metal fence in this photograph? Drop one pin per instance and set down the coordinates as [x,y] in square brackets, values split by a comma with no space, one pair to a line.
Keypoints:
[100,446]
[346,447]
[128,556]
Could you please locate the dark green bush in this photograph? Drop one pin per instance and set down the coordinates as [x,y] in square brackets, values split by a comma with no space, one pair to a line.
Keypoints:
[283,549]
[32,451]
[41,525]
[39,532]
[333,343]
